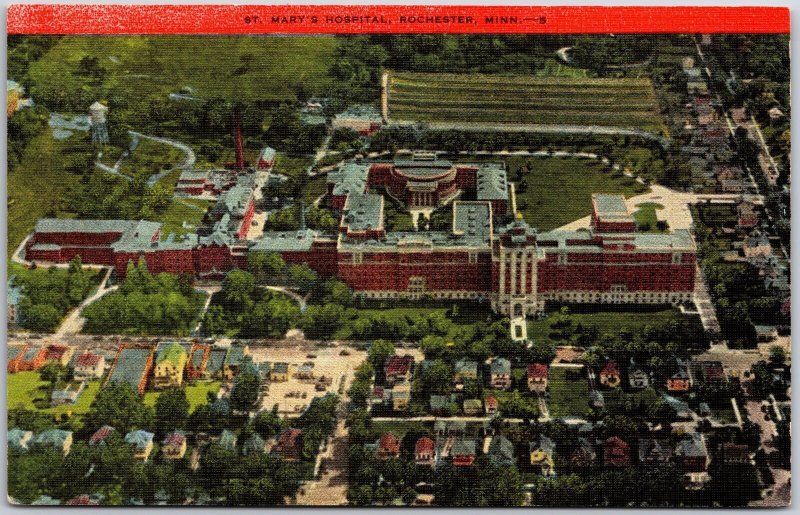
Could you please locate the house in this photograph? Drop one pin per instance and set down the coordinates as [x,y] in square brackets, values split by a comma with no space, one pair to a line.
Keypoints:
[713,372]
[170,365]
[99,436]
[691,454]
[473,407]
[449,427]
[584,454]
[609,376]
[174,446]
[746,215]
[440,404]
[766,333]
[680,407]
[732,185]
[654,450]
[679,381]
[13,299]
[227,440]
[462,453]
[33,358]
[501,452]
[142,443]
[279,373]
[388,446]
[398,368]
[266,159]
[234,359]
[537,377]
[14,357]
[56,438]
[638,378]
[82,500]
[400,399]
[60,354]
[18,439]
[500,374]
[363,119]
[289,444]
[756,245]
[45,500]
[734,454]
[596,399]
[616,452]
[197,361]
[465,370]
[68,394]
[253,445]
[540,453]
[88,366]
[490,405]
[424,452]
[216,361]
[132,365]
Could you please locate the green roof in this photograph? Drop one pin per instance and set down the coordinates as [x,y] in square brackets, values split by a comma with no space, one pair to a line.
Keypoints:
[173,353]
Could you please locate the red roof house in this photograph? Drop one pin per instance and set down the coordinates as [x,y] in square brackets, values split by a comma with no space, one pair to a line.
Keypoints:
[388,446]
[100,435]
[60,354]
[491,405]
[398,368]
[537,377]
[609,376]
[424,451]
[616,452]
[289,444]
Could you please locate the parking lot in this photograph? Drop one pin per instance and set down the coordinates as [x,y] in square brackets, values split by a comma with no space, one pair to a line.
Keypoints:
[294,395]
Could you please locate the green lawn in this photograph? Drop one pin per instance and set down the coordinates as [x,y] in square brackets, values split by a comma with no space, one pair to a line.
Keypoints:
[559,190]
[646,216]
[195,393]
[608,321]
[247,68]
[567,398]
[291,166]
[399,428]
[176,214]
[38,187]
[313,189]
[151,157]
[27,390]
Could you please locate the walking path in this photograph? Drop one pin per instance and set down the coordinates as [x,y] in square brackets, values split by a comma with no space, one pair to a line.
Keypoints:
[74,321]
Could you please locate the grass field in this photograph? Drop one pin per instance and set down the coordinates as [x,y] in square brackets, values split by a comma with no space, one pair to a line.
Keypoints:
[232,67]
[313,189]
[567,398]
[504,99]
[27,390]
[608,321]
[151,157]
[37,187]
[559,189]
[196,393]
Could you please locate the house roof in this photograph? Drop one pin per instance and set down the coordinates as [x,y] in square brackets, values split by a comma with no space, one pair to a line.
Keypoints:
[463,447]
[691,446]
[131,365]
[491,401]
[610,369]
[502,449]
[537,371]
[16,436]
[289,439]
[491,182]
[389,443]
[87,359]
[216,359]
[235,356]
[439,401]
[654,449]
[140,438]
[15,350]
[176,438]
[466,366]
[55,351]
[544,443]
[253,444]
[473,404]
[227,439]
[399,365]
[173,353]
[53,437]
[424,445]
[500,366]
[100,435]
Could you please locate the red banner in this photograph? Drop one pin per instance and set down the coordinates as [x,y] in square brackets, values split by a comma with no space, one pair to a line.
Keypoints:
[396,19]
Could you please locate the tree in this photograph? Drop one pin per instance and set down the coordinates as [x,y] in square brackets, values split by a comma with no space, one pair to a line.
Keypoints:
[41,317]
[266,266]
[245,390]
[53,373]
[379,352]
[171,411]
[237,287]
[120,407]
[303,276]
[777,356]
[268,423]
